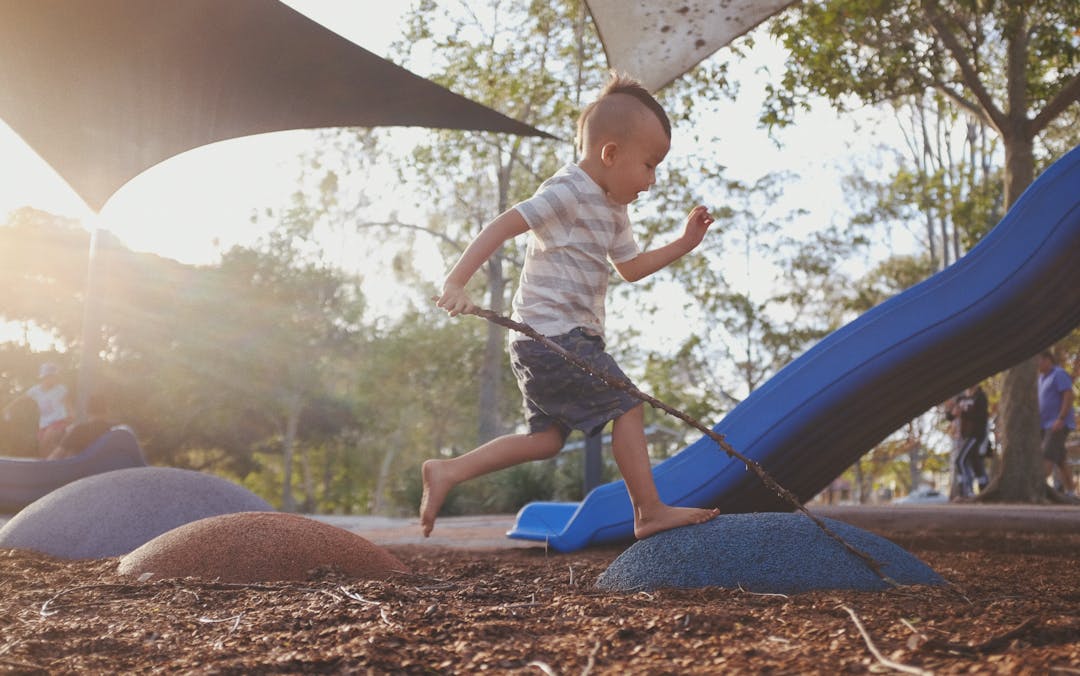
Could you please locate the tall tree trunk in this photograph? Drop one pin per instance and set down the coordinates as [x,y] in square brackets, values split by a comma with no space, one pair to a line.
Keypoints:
[490,424]
[491,370]
[860,479]
[915,460]
[329,462]
[382,481]
[308,478]
[1020,477]
[288,448]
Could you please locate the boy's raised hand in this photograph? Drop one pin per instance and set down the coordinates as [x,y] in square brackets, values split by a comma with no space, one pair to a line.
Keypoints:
[454,300]
[696,225]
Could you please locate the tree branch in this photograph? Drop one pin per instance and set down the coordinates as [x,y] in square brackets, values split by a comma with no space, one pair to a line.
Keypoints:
[965,103]
[1068,95]
[971,77]
[409,226]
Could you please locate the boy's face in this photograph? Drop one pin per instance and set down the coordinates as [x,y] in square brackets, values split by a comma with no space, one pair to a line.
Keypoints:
[631,164]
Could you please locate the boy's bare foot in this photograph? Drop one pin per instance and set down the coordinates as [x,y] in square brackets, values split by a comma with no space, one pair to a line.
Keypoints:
[436,486]
[665,517]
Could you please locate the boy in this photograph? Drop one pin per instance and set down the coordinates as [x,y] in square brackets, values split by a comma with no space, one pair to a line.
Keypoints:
[578,222]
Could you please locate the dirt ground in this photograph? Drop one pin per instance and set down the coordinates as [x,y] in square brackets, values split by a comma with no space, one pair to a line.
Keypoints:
[1012,607]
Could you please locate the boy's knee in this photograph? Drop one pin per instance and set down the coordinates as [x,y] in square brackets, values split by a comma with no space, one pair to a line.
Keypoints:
[550,442]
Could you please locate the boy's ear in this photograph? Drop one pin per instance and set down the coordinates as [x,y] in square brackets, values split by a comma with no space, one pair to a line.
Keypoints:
[607,153]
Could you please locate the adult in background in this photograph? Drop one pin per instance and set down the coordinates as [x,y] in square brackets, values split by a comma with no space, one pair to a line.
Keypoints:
[1056,417]
[972,410]
[54,407]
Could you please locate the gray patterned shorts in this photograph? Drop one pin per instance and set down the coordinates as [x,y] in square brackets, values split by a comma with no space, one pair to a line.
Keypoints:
[555,392]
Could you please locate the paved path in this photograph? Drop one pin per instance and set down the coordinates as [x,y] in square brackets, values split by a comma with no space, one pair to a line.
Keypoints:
[489,531]
[485,531]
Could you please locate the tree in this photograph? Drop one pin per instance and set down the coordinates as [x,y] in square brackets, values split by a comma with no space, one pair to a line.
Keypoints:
[744,287]
[43,273]
[536,63]
[414,402]
[946,191]
[1012,66]
[289,324]
[530,63]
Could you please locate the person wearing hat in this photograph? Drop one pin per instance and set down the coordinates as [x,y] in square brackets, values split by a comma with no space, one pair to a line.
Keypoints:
[54,407]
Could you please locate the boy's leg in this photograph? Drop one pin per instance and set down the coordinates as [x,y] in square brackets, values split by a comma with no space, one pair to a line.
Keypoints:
[632,456]
[441,475]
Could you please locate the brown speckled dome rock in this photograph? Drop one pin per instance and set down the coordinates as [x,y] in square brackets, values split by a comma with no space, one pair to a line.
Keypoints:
[258,547]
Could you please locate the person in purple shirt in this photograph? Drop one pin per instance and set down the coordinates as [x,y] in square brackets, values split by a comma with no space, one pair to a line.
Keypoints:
[1056,416]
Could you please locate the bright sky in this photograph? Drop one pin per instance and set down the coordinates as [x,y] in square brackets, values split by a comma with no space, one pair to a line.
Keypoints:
[193,206]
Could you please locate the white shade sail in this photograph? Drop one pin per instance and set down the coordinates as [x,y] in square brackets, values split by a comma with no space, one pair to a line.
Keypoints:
[657,41]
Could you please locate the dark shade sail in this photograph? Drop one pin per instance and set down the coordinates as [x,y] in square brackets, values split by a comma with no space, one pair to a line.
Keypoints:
[105,89]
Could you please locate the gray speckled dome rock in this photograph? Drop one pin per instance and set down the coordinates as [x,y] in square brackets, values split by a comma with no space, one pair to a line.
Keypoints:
[111,514]
[768,553]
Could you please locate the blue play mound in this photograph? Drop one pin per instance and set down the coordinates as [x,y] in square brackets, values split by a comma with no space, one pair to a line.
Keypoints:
[1012,295]
[766,553]
[24,480]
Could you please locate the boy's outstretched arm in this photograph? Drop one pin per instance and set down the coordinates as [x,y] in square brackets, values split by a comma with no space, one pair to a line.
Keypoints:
[505,226]
[644,264]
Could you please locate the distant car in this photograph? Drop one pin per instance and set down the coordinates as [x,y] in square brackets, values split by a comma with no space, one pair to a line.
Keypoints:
[923,495]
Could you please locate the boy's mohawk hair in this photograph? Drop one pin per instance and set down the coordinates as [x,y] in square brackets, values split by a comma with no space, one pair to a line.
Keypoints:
[621,83]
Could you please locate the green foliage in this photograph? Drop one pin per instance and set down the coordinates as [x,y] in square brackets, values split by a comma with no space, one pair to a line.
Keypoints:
[43,261]
[889,278]
[272,354]
[860,51]
[1011,67]
[946,190]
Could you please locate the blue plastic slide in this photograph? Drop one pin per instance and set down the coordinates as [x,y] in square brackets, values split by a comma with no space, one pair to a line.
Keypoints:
[1012,295]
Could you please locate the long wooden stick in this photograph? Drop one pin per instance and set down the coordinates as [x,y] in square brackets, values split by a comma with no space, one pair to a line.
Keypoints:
[628,387]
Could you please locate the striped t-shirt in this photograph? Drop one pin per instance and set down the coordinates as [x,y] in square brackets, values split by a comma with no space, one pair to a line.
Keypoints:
[575,230]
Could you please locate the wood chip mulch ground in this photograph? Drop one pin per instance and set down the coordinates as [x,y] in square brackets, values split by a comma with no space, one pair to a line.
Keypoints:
[1012,607]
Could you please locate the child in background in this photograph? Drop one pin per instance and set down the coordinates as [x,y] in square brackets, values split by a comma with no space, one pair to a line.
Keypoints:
[54,407]
[78,437]
[578,223]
